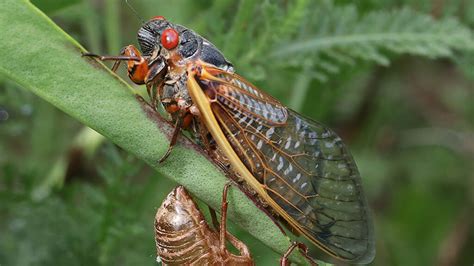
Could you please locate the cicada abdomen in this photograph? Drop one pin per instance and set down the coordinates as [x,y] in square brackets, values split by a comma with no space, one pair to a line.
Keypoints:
[183,236]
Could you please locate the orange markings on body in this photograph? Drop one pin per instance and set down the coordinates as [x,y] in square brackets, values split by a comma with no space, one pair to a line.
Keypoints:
[172,108]
[188,118]
[158,18]
[137,70]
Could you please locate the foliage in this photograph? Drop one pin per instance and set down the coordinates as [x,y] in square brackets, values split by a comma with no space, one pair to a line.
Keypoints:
[357,67]
[331,36]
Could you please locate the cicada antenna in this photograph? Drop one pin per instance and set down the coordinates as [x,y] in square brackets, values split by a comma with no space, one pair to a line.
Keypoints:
[135,12]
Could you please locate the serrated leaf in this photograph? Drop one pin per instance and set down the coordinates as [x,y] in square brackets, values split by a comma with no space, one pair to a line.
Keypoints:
[346,36]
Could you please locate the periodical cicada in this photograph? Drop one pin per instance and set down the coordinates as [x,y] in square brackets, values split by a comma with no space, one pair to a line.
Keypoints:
[299,168]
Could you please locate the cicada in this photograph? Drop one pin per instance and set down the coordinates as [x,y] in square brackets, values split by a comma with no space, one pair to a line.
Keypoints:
[298,167]
[183,236]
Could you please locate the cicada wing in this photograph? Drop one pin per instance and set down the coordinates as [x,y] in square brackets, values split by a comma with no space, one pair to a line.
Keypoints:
[233,91]
[303,166]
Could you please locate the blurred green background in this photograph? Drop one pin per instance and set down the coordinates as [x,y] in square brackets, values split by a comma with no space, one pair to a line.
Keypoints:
[395,78]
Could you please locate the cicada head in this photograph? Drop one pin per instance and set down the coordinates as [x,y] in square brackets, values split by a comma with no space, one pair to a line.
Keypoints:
[159,37]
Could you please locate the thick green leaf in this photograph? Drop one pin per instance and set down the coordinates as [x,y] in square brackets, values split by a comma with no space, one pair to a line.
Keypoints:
[39,56]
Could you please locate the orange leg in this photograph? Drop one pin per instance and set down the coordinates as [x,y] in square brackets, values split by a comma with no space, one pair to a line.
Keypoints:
[137,65]
[141,70]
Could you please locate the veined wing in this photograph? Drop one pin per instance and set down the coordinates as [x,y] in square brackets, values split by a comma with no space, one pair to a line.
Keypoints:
[301,165]
[235,92]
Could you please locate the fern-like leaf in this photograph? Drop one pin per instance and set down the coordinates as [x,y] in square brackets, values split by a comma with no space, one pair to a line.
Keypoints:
[338,36]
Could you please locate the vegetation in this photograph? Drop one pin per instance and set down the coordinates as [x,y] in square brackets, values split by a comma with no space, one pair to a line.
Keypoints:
[394,78]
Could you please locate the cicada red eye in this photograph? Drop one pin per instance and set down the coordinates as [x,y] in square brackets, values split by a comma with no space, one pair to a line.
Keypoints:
[158,18]
[170,38]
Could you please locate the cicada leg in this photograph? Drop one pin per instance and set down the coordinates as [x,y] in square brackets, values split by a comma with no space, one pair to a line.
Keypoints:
[141,70]
[154,79]
[137,65]
[183,121]
[223,234]
[223,227]
[174,138]
[284,261]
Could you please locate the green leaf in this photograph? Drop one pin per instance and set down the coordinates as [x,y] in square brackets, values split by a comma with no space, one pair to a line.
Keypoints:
[39,56]
[340,35]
